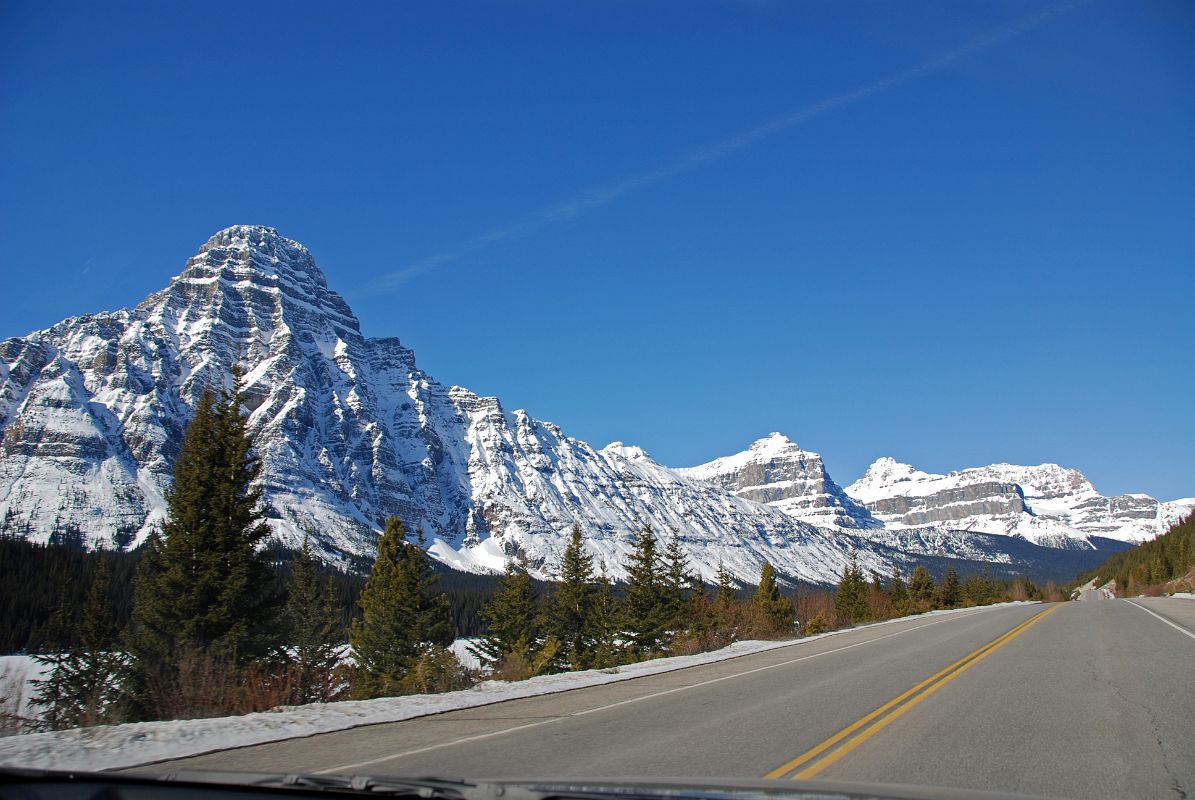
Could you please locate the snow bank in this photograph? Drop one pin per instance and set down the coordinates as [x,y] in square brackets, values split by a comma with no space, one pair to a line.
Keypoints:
[17,689]
[460,649]
[117,746]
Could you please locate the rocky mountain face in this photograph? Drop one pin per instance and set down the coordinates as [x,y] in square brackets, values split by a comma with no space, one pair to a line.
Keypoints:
[1047,504]
[351,430]
[776,471]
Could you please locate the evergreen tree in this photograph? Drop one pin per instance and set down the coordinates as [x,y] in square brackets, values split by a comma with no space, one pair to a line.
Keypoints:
[922,589]
[772,611]
[819,624]
[677,584]
[312,617]
[980,589]
[52,693]
[403,617]
[572,604]
[898,595]
[203,585]
[723,615]
[603,624]
[1169,557]
[851,601]
[514,647]
[646,611]
[949,593]
[83,688]
[726,594]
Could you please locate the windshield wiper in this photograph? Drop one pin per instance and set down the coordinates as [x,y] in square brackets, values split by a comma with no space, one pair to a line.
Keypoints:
[37,784]
[424,788]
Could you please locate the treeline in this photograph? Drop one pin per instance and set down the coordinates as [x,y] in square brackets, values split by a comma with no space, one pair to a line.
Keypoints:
[39,578]
[1149,567]
[584,622]
[861,598]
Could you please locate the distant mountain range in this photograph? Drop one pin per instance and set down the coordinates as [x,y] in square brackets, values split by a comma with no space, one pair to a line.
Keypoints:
[1047,504]
[350,431]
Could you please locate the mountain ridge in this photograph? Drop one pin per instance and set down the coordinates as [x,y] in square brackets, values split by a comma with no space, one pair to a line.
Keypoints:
[351,430]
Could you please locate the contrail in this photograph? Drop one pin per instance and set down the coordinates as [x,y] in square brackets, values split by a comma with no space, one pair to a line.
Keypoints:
[717,150]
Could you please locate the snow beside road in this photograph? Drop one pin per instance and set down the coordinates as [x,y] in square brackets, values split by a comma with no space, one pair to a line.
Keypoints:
[117,746]
[17,689]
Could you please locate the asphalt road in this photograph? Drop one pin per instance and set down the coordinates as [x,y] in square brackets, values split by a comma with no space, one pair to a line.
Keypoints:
[1075,700]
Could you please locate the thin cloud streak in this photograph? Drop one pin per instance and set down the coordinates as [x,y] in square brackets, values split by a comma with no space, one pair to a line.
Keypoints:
[716,151]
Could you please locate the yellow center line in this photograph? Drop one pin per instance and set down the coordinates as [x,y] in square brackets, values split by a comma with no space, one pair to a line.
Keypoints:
[941,678]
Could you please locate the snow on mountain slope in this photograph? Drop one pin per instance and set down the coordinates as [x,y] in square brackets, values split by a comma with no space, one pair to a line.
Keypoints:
[1046,504]
[776,471]
[349,431]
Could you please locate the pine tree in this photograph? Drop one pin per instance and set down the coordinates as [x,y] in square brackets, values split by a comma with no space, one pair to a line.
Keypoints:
[52,693]
[603,624]
[403,618]
[725,617]
[980,589]
[772,611]
[83,688]
[851,601]
[645,610]
[677,584]
[203,585]
[514,647]
[819,624]
[949,593]
[898,595]
[726,595]
[922,589]
[312,617]
[572,603]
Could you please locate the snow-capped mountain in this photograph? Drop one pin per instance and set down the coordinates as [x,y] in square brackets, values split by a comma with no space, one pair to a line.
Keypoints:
[350,430]
[776,471]
[1046,504]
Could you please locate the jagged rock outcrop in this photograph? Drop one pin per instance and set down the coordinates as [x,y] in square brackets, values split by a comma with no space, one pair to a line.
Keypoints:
[776,471]
[1047,504]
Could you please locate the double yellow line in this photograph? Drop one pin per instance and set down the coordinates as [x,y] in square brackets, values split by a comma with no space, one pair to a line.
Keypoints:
[855,734]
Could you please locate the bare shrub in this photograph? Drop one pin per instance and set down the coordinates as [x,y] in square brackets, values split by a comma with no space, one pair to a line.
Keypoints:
[437,670]
[812,605]
[689,644]
[198,683]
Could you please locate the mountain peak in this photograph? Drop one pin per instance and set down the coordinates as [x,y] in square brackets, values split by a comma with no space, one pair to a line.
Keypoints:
[630,452]
[260,250]
[887,469]
[244,235]
[248,281]
[774,442]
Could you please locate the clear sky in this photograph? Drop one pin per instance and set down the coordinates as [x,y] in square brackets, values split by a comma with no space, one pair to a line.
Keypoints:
[954,233]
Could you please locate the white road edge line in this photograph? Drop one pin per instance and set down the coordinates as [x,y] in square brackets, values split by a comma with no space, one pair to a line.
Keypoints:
[1174,625]
[504,731]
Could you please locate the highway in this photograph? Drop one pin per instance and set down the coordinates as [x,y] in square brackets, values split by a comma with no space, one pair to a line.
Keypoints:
[1074,700]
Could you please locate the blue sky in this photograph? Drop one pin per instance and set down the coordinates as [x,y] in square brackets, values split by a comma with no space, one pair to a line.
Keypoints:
[987,254]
